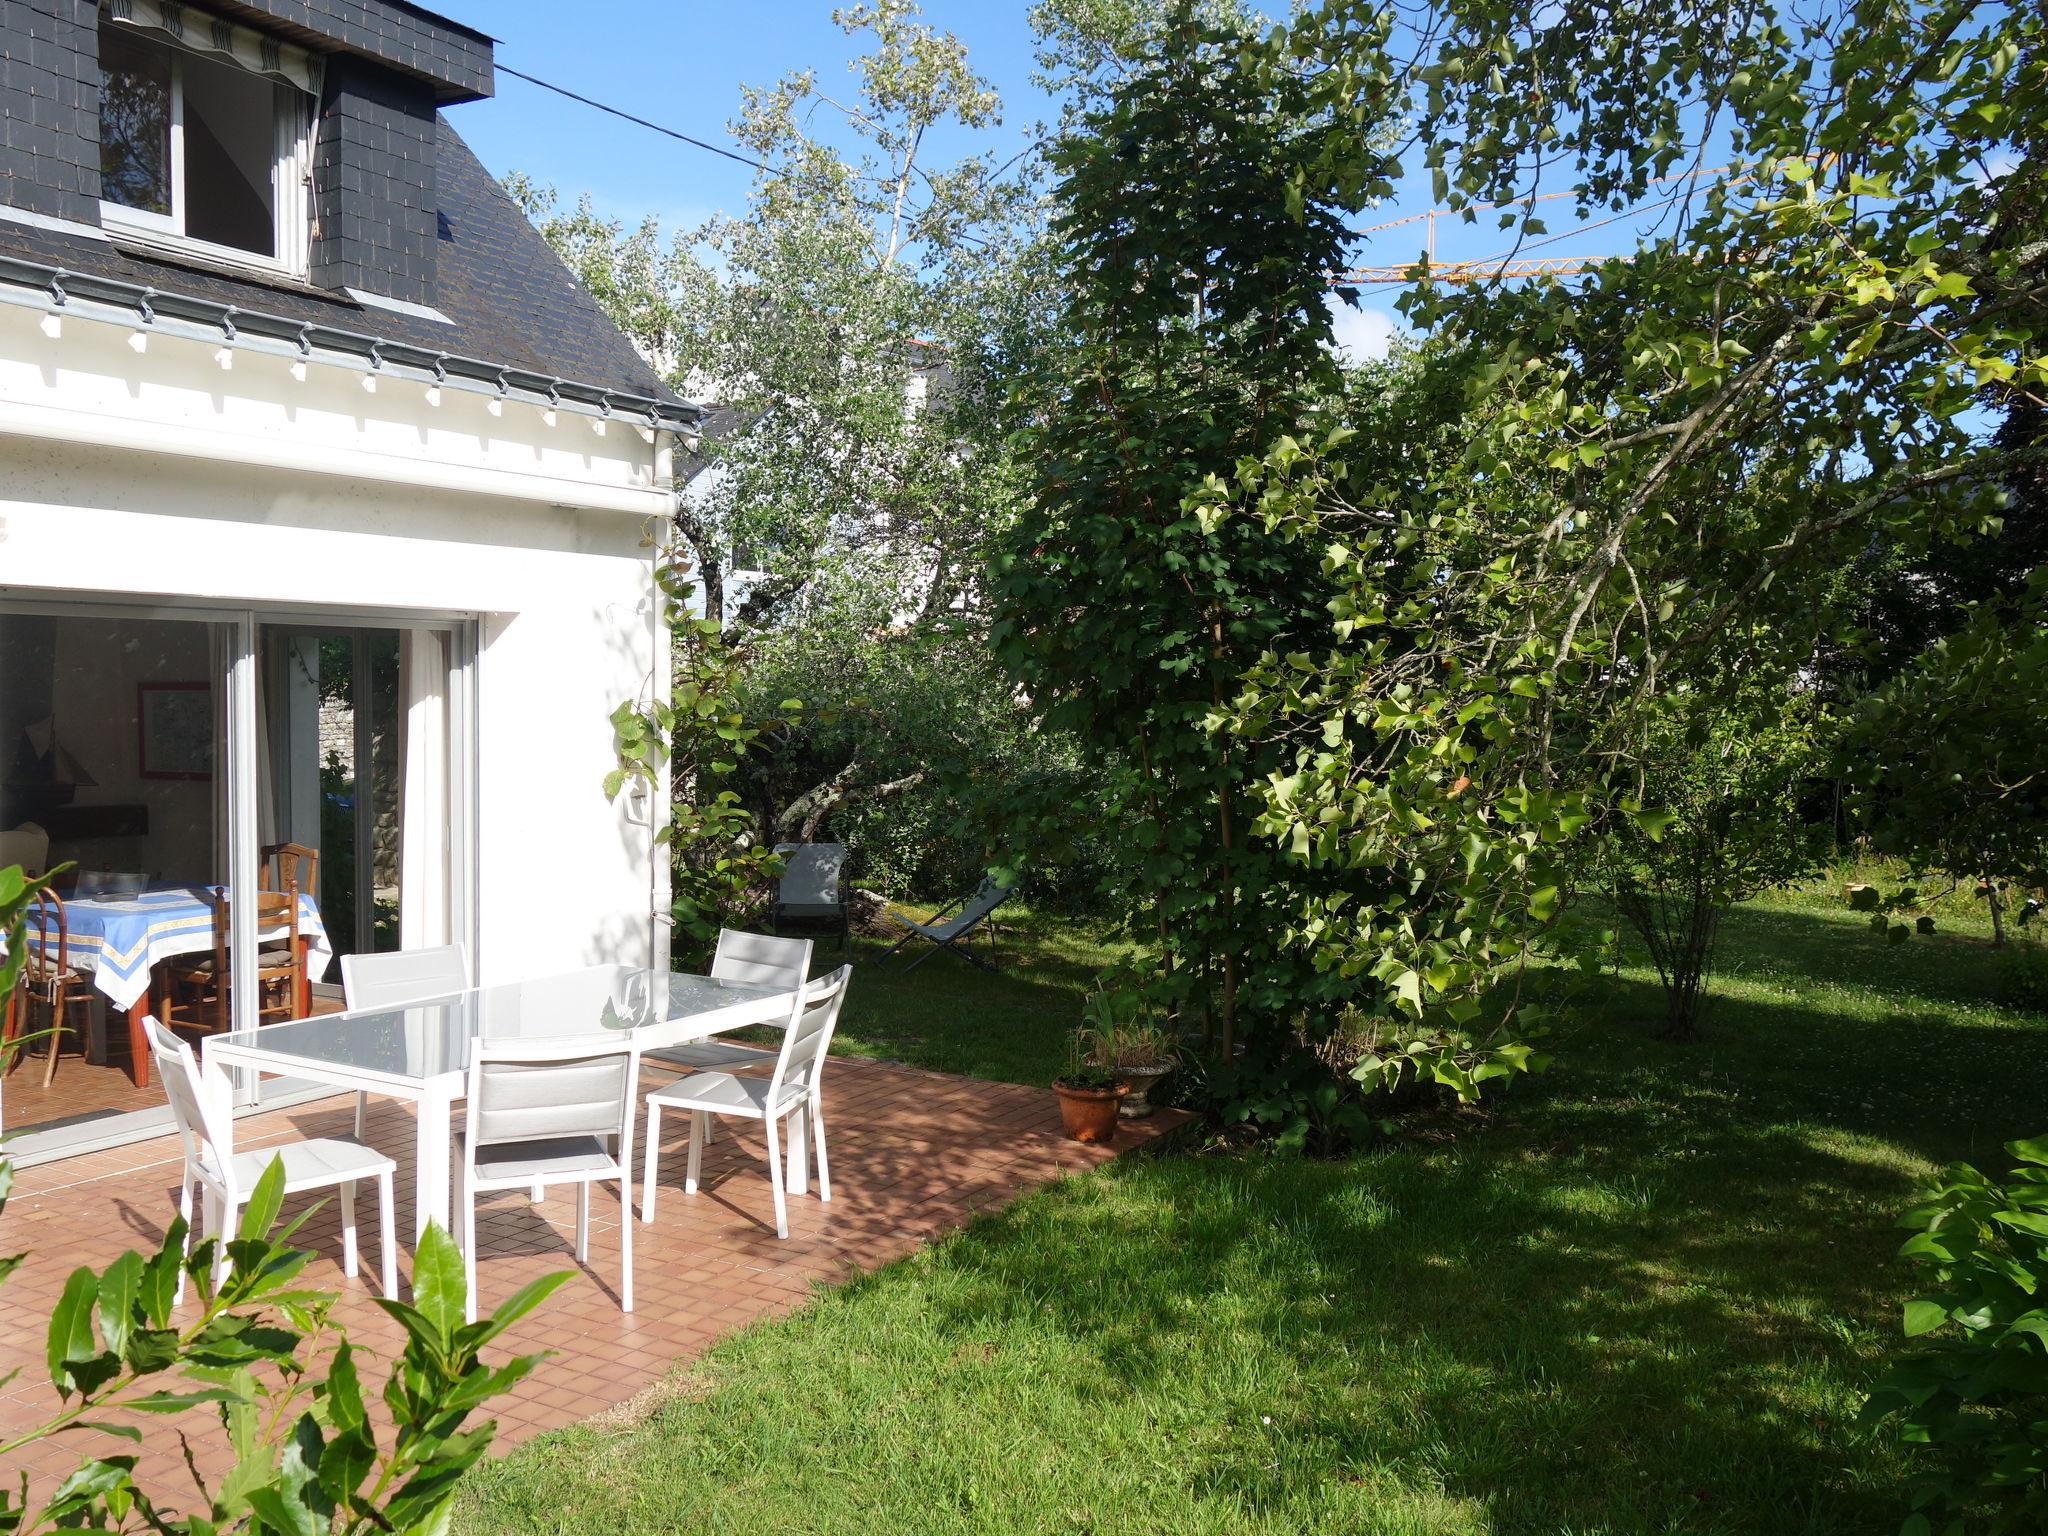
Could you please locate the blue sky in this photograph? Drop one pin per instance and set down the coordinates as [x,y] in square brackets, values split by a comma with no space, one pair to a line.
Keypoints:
[682,64]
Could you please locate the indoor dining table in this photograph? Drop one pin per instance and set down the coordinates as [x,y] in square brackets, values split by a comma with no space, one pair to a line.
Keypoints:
[119,938]
[420,1052]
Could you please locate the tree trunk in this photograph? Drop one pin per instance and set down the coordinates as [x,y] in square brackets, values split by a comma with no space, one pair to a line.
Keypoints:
[800,819]
[1995,898]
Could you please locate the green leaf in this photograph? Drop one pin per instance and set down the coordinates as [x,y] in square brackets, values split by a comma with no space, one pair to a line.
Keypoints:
[70,1338]
[1924,1317]
[439,1290]
[119,1289]
[265,1201]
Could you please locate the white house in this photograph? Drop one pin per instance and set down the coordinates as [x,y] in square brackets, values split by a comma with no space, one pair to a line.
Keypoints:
[302,425]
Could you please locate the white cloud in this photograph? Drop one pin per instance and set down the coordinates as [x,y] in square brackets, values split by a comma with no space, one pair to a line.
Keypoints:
[1361,335]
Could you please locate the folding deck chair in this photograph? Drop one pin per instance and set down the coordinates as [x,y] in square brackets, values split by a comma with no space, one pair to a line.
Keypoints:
[991,894]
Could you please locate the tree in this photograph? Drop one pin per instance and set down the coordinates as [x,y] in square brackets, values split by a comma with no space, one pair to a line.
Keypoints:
[1202,198]
[1727,771]
[1672,459]
[845,320]
[1654,470]
[1949,756]
[849,322]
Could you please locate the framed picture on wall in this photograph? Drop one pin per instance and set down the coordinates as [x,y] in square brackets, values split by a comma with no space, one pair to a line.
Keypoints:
[176,721]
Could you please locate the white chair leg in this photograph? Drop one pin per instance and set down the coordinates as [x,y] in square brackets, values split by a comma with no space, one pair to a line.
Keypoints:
[710,1130]
[775,1178]
[184,1210]
[583,1222]
[796,1132]
[465,1219]
[818,1138]
[348,1228]
[625,1242]
[362,1114]
[697,1139]
[387,1235]
[218,1220]
[653,1162]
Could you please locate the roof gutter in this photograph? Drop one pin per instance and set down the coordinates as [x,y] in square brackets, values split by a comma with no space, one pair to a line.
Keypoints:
[154,311]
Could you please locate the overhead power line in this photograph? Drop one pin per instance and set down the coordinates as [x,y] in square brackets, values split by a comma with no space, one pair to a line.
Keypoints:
[674,133]
[690,139]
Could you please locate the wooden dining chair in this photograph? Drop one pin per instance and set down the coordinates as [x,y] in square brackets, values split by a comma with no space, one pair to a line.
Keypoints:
[291,867]
[49,989]
[195,988]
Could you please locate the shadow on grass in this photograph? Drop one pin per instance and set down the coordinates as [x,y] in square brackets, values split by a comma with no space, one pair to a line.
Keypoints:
[1559,1345]
[1643,1293]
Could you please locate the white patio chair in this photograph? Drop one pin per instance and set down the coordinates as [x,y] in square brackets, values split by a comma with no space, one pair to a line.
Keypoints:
[794,1088]
[811,889]
[399,977]
[227,1177]
[547,1112]
[760,960]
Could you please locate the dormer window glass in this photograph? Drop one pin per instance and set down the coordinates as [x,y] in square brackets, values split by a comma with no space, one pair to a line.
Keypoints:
[204,136]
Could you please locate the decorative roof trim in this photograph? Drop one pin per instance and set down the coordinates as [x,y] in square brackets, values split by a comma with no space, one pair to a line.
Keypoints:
[35,285]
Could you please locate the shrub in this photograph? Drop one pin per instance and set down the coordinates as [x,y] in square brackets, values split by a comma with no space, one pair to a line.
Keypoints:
[308,1458]
[1974,1396]
[2022,973]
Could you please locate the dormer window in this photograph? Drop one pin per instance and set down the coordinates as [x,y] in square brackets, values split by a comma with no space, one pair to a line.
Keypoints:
[204,130]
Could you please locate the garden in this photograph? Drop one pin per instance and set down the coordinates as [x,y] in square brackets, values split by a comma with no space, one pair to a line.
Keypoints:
[1649,1291]
[1563,797]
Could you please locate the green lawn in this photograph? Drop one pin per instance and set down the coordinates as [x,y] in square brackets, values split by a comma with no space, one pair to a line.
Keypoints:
[1641,1294]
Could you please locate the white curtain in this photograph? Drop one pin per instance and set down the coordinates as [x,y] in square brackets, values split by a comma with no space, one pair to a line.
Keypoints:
[269,779]
[423,749]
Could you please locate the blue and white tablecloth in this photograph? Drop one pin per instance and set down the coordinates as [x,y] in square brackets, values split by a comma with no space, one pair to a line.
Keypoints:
[119,938]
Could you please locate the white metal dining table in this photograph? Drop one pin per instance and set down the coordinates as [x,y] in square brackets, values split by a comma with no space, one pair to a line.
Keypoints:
[420,1052]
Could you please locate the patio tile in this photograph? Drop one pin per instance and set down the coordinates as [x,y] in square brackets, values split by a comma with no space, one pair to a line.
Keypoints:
[913,1155]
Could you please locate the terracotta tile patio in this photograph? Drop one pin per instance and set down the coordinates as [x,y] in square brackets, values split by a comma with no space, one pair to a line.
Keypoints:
[914,1154]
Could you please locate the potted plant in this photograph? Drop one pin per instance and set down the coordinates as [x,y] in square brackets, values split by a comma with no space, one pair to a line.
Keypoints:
[1089,1093]
[1121,1036]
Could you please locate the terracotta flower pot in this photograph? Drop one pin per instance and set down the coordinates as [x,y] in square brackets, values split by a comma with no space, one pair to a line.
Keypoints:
[1089,1114]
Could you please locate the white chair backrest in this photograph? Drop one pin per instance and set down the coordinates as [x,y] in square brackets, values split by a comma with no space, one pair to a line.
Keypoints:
[202,1126]
[527,1090]
[810,873]
[402,976]
[761,960]
[804,1044]
[27,845]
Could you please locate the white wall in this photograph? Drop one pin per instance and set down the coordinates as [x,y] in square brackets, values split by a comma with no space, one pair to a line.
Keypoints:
[558,576]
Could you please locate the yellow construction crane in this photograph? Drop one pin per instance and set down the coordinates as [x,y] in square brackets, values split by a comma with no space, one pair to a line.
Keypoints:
[1505,266]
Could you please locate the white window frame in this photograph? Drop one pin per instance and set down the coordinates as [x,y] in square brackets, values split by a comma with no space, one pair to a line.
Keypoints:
[291,174]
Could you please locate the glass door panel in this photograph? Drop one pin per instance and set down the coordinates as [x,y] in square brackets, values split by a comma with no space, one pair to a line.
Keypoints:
[113,746]
[352,797]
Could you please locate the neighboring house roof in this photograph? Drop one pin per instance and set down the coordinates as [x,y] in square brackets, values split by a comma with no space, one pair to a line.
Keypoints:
[719,423]
[508,299]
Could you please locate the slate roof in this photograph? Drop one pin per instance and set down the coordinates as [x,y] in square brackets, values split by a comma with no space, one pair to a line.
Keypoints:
[510,299]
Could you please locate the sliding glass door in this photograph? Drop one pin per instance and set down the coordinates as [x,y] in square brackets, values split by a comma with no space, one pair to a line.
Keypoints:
[237,800]
[113,731]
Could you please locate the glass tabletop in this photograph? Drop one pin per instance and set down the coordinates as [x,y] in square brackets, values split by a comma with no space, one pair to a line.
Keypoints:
[432,1037]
